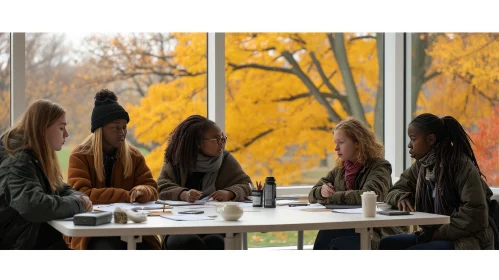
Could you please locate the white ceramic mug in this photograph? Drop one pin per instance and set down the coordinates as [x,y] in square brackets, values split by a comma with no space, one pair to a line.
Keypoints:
[369,204]
[230,212]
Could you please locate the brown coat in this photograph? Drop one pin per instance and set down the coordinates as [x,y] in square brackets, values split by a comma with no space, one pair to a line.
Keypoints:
[83,178]
[231,177]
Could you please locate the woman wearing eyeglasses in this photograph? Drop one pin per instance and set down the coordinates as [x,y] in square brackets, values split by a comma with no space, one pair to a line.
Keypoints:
[197,165]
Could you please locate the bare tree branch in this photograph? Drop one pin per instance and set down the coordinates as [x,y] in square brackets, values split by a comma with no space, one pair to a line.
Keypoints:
[431,76]
[252,140]
[361,37]
[303,95]
[259,66]
[493,101]
[333,115]
[336,94]
[322,128]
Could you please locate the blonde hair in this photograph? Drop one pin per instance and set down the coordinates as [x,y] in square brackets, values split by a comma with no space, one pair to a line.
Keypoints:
[368,146]
[93,145]
[31,132]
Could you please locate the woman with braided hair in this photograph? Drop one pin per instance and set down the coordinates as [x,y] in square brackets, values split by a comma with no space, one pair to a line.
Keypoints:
[446,180]
[197,165]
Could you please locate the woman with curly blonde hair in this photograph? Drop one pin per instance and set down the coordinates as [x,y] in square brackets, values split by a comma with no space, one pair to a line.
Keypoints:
[360,167]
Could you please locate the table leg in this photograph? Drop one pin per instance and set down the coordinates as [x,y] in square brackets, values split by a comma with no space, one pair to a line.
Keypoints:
[245,240]
[233,241]
[131,241]
[365,238]
[300,240]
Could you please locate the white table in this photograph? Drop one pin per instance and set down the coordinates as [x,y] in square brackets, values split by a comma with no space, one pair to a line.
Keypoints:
[266,220]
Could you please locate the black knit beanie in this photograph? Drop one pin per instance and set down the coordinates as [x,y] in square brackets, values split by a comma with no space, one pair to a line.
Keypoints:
[107,109]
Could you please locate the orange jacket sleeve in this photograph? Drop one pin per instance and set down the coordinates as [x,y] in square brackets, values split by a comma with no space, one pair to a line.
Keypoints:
[79,178]
[144,182]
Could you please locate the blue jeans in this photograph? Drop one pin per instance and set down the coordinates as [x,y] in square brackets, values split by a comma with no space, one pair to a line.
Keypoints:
[408,242]
[337,239]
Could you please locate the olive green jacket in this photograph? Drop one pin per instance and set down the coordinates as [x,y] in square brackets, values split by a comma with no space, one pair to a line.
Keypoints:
[374,176]
[469,225]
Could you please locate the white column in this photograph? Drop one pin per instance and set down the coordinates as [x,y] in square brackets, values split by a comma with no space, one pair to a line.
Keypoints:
[394,101]
[408,93]
[17,77]
[216,78]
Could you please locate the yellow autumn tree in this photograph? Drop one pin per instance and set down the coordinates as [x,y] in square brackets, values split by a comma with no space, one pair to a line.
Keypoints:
[284,93]
[464,83]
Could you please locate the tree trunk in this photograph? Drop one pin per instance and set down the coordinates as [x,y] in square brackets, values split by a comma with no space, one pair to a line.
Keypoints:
[323,162]
[418,57]
[340,54]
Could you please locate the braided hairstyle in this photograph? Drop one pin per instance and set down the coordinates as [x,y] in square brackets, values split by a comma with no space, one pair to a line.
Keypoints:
[452,141]
[451,144]
[185,140]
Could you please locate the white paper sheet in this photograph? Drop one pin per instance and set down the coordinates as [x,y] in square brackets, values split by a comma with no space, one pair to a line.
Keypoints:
[151,205]
[187,217]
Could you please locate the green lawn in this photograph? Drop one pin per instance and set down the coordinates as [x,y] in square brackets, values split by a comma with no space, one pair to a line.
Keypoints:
[274,239]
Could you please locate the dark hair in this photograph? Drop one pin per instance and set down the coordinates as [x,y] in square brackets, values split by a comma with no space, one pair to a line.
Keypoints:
[104,94]
[185,140]
[453,142]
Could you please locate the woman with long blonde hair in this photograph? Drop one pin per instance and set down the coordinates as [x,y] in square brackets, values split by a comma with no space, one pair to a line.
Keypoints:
[360,167]
[109,170]
[31,188]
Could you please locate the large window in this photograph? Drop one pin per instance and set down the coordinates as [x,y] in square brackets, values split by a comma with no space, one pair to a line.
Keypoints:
[4,81]
[284,94]
[160,78]
[457,74]
[286,91]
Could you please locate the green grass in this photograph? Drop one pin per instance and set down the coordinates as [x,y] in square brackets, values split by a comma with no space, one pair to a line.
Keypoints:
[63,156]
[274,239]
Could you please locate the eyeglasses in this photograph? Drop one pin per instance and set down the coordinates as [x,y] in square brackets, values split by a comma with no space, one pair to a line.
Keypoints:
[219,139]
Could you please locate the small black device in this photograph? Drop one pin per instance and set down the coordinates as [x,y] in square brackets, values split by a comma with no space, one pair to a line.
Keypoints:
[192,212]
[343,206]
[394,213]
[92,218]
[297,204]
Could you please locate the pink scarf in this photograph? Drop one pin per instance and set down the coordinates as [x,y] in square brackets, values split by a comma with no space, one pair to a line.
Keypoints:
[351,170]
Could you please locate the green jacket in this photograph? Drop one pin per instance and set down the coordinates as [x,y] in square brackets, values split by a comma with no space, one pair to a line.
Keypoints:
[374,176]
[27,201]
[469,225]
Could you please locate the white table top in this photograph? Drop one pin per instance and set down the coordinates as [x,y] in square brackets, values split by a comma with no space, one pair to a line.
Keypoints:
[267,220]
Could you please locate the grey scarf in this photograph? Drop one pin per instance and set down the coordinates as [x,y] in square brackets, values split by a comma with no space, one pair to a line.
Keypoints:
[429,182]
[210,166]
[425,177]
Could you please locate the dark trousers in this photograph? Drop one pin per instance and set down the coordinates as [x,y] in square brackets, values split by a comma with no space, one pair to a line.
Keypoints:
[408,242]
[195,242]
[113,243]
[337,239]
[49,239]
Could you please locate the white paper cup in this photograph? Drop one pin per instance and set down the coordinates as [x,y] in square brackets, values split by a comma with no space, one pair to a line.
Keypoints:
[369,204]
